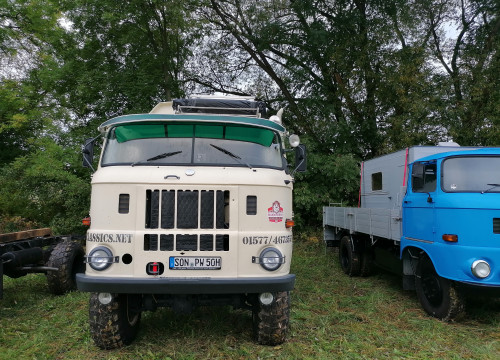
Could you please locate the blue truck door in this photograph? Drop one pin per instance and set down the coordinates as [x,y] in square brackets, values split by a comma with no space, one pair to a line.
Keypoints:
[418,204]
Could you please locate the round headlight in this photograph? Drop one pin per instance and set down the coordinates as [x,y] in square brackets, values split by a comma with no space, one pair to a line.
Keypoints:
[100,258]
[271,259]
[480,269]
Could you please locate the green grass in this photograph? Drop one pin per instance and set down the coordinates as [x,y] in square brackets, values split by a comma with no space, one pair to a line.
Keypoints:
[333,316]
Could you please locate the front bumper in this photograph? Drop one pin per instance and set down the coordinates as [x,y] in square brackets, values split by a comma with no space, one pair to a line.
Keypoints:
[185,285]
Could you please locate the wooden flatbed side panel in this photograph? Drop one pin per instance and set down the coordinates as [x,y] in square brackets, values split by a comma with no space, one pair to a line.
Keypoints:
[23,235]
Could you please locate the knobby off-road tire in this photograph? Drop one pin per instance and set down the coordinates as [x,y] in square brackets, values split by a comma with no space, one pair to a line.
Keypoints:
[270,322]
[348,258]
[438,296]
[116,324]
[67,257]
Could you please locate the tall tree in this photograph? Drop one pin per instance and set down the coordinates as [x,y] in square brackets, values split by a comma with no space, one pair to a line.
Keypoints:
[328,60]
[470,63]
[27,29]
[362,76]
[124,56]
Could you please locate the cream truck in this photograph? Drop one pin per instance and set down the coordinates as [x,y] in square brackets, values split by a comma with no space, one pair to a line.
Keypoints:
[191,205]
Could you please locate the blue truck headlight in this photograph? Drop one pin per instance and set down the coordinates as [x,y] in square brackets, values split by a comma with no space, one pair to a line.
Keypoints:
[100,258]
[480,269]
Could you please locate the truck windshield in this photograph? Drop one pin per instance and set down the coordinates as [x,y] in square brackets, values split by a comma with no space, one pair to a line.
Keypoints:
[471,174]
[192,144]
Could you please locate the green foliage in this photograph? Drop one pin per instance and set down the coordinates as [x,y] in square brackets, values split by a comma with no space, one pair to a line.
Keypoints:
[371,77]
[356,77]
[15,223]
[330,178]
[43,187]
[21,120]
[123,57]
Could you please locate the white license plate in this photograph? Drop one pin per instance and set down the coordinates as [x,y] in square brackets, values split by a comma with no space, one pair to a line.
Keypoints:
[194,263]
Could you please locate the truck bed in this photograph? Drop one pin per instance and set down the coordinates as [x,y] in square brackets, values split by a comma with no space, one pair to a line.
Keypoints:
[24,235]
[385,223]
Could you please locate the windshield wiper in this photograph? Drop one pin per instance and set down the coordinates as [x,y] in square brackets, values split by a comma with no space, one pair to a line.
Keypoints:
[229,153]
[491,188]
[157,157]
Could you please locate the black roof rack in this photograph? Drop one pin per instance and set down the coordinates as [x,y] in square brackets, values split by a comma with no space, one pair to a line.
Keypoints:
[238,106]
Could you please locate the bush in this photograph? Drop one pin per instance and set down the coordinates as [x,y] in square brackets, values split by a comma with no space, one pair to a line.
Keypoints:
[44,188]
[330,178]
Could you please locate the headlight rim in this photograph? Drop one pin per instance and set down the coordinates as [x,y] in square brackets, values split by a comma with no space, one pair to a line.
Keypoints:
[476,272]
[105,265]
[266,265]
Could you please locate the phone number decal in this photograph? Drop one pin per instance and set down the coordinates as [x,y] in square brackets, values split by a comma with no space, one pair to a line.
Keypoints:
[267,240]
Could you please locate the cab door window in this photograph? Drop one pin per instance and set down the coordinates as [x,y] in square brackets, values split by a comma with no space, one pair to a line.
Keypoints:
[424,177]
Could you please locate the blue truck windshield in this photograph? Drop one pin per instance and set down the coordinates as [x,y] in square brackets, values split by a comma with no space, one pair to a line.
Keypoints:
[471,174]
[192,144]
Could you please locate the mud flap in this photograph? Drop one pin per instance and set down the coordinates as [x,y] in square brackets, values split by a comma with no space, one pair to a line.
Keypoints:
[409,268]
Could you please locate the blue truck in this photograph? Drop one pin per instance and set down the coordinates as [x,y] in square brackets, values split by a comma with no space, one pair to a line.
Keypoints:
[431,213]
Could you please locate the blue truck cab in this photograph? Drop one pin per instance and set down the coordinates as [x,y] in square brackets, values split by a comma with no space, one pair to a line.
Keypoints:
[451,214]
[433,215]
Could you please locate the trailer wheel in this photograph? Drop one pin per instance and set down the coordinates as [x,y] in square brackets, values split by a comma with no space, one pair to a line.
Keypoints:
[438,296]
[116,324]
[67,257]
[348,257]
[270,322]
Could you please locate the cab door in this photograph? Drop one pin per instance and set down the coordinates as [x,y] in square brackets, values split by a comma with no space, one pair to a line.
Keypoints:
[419,218]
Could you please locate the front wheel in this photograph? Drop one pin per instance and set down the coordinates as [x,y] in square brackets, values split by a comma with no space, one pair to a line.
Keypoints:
[438,296]
[270,322]
[115,324]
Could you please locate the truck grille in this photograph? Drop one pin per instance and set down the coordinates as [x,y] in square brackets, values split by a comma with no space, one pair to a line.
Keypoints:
[186,242]
[186,209]
[496,226]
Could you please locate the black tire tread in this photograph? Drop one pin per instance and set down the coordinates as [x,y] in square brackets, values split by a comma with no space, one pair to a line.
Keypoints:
[66,256]
[271,322]
[353,265]
[109,326]
[453,304]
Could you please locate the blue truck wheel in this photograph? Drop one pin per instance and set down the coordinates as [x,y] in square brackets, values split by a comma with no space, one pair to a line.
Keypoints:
[438,296]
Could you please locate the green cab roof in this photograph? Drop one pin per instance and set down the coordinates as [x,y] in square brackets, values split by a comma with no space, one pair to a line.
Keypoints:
[181,118]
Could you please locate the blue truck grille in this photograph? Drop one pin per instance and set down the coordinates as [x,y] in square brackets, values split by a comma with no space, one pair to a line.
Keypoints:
[496,226]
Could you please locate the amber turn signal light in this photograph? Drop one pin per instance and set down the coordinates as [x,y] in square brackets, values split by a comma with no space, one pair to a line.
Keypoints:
[450,238]
[289,223]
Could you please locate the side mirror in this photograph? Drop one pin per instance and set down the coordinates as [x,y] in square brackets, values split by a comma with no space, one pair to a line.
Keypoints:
[300,158]
[88,153]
